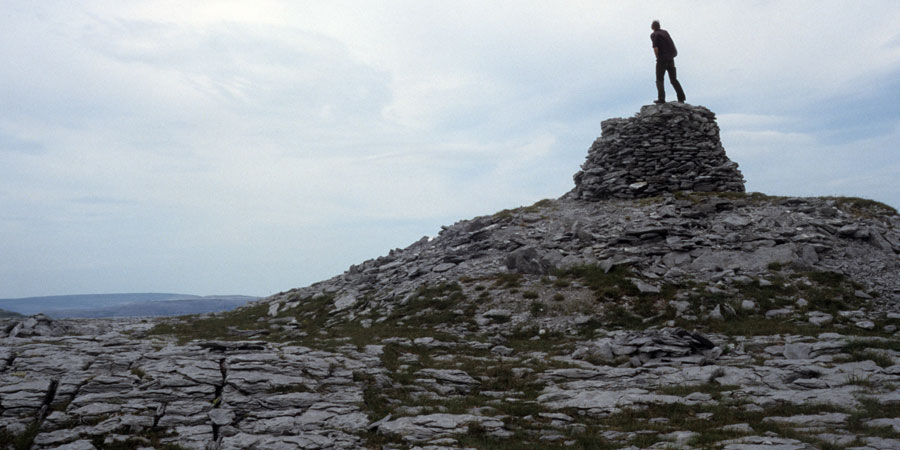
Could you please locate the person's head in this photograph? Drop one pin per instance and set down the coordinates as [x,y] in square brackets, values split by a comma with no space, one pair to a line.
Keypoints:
[655,25]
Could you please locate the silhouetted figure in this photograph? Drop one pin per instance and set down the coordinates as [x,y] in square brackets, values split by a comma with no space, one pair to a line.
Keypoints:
[665,51]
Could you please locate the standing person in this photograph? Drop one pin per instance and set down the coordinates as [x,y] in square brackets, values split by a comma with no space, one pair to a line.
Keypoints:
[665,51]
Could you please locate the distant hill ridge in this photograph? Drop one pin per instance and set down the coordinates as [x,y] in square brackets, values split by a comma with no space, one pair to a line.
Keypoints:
[123,304]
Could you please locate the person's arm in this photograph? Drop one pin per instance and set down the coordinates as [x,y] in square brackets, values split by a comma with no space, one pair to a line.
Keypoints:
[656,51]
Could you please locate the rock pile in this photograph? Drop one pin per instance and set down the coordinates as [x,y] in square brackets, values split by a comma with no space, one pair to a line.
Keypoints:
[37,325]
[664,148]
[641,347]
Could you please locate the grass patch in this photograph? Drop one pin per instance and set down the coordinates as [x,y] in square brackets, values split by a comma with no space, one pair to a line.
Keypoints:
[530,339]
[628,307]
[751,325]
[508,280]
[609,285]
[138,372]
[698,197]
[21,441]
[880,359]
[864,344]
[619,316]
[522,440]
[872,409]
[828,292]
[862,207]
[315,323]
[535,208]
[711,388]
[215,327]
[707,420]
[424,311]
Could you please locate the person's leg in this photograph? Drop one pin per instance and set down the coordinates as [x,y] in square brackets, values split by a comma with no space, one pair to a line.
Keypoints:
[660,87]
[673,78]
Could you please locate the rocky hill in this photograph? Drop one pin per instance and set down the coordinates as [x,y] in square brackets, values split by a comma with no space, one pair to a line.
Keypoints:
[656,305]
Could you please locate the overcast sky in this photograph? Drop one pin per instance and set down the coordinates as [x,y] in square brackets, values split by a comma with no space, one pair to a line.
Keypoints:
[250,147]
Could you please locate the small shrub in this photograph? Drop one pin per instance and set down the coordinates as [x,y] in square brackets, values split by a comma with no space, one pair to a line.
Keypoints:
[138,372]
[508,280]
[880,359]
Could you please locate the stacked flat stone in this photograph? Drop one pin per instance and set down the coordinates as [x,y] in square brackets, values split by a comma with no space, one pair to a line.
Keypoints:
[664,148]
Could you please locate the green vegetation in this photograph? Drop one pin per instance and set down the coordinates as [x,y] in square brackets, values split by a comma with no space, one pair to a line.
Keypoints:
[21,441]
[711,387]
[609,285]
[535,208]
[828,292]
[508,280]
[495,375]
[751,197]
[872,409]
[861,207]
[881,359]
[138,372]
[215,327]
[533,339]
[418,315]
[625,305]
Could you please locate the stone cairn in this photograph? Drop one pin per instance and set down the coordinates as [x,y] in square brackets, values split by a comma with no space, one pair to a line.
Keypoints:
[663,148]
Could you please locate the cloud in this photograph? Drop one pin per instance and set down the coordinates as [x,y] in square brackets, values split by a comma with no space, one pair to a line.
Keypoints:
[10,143]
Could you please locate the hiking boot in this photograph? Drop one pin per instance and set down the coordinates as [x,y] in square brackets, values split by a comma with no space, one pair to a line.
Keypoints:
[659,102]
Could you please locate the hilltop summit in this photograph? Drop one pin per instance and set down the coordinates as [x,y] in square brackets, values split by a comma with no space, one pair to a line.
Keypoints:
[664,148]
[655,306]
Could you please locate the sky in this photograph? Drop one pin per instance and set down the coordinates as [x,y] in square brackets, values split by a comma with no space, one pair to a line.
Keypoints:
[250,147]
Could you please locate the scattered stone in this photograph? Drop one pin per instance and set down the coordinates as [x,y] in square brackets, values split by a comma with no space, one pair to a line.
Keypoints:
[892,423]
[819,319]
[797,351]
[646,288]
[738,428]
[498,314]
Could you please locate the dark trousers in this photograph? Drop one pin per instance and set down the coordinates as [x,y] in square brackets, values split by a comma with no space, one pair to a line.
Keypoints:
[661,68]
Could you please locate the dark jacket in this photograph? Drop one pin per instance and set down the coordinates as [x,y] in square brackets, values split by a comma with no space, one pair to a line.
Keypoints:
[664,43]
